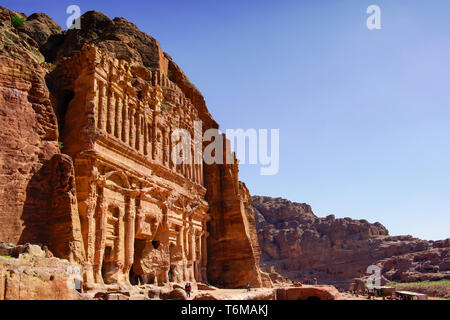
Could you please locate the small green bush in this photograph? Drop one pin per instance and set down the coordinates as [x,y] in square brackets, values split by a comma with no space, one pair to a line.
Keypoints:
[17,21]
[60,145]
[164,107]
[53,67]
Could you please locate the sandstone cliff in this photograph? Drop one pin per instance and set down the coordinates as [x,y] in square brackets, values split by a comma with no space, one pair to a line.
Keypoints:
[85,158]
[298,244]
[34,176]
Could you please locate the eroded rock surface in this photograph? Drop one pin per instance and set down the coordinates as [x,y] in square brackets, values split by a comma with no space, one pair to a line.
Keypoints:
[298,245]
[429,265]
[29,136]
[28,273]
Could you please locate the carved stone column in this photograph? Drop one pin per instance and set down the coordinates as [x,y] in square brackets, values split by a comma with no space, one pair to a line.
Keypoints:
[100,236]
[110,116]
[193,248]
[187,243]
[87,216]
[137,120]
[183,251]
[154,138]
[199,257]
[131,125]
[171,162]
[120,249]
[142,138]
[164,145]
[182,241]
[125,121]
[101,115]
[118,117]
[130,232]
[150,139]
[145,133]
[204,259]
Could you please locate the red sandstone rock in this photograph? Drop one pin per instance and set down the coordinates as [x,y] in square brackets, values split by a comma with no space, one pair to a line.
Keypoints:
[115,202]
[308,293]
[204,296]
[232,246]
[175,294]
[430,265]
[299,245]
[28,138]
[31,276]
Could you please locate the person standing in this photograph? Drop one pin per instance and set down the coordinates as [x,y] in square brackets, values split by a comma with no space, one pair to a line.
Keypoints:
[188,290]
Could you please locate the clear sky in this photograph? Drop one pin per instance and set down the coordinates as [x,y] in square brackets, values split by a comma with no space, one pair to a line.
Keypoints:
[364,116]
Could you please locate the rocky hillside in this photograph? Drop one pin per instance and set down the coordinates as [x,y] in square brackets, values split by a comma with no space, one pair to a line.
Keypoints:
[298,244]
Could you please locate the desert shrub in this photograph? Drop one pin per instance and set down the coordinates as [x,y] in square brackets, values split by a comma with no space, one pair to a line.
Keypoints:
[17,21]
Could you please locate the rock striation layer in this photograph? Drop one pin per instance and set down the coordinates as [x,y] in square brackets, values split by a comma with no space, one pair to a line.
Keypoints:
[298,245]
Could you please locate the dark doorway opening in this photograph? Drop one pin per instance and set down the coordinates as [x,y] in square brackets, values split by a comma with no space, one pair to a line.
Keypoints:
[136,273]
[135,279]
[106,265]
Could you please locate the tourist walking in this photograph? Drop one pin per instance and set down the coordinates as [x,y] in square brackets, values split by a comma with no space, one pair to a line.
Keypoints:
[188,289]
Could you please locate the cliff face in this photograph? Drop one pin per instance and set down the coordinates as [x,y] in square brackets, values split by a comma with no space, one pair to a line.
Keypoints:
[96,95]
[298,244]
[233,247]
[29,152]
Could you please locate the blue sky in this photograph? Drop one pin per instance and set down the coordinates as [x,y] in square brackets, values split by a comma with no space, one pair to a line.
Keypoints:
[364,116]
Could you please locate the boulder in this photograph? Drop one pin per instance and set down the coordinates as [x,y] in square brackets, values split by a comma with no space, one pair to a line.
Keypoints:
[175,294]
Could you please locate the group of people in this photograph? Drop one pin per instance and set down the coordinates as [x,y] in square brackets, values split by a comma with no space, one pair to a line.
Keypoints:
[307,281]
